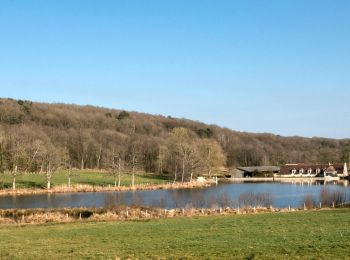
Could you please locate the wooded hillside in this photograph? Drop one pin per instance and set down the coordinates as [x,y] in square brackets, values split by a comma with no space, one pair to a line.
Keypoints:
[43,137]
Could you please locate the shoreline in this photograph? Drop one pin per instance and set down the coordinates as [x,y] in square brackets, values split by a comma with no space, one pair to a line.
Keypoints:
[72,215]
[91,188]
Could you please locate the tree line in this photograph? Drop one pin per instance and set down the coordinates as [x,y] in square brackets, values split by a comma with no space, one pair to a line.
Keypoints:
[40,137]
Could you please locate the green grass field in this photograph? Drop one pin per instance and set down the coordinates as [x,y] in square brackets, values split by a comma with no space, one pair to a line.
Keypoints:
[300,235]
[35,180]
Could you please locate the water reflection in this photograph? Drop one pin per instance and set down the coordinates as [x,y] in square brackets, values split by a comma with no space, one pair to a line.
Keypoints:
[282,194]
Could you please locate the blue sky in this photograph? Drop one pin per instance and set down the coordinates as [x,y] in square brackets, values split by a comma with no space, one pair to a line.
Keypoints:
[256,66]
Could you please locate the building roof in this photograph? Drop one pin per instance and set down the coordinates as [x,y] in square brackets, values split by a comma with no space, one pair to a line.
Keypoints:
[286,169]
[330,169]
[259,169]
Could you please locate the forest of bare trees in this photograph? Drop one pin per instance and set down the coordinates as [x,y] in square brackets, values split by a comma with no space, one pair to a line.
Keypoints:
[38,137]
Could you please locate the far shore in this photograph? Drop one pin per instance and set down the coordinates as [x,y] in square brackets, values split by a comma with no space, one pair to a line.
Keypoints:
[95,188]
[75,188]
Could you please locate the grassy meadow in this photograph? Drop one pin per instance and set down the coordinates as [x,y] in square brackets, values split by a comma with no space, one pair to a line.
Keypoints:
[85,177]
[321,234]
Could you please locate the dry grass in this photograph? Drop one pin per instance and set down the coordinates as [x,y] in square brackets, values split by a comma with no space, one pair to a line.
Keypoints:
[65,215]
[94,188]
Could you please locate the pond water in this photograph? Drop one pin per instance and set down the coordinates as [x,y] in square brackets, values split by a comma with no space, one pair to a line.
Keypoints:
[279,195]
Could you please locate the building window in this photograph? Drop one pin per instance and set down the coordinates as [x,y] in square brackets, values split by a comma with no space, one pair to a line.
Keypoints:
[301,171]
[318,170]
[309,171]
[294,171]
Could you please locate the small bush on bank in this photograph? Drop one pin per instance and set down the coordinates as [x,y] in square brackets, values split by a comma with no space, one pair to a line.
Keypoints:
[328,197]
[251,199]
[309,201]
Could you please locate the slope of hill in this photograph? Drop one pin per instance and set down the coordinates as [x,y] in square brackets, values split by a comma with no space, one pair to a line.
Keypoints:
[34,136]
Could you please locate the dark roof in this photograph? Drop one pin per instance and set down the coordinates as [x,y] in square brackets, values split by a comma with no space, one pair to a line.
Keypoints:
[286,169]
[259,169]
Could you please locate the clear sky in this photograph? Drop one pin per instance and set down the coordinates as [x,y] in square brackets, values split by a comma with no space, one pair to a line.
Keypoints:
[257,66]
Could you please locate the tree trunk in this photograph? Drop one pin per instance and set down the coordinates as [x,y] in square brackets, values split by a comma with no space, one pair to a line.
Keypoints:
[133,171]
[42,167]
[82,163]
[48,176]
[99,155]
[175,173]
[31,161]
[209,163]
[14,178]
[14,183]
[161,167]
[183,170]
[119,172]
[69,174]
[192,166]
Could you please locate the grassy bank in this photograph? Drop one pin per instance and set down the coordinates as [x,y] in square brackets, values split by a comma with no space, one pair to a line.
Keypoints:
[83,177]
[310,235]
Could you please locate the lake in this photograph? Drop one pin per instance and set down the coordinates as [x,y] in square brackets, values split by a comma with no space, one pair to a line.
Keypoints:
[280,195]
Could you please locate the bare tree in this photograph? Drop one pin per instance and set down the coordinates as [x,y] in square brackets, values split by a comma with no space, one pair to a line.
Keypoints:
[175,171]
[181,141]
[116,169]
[211,155]
[132,156]
[195,161]
[34,150]
[2,150]
[52,161]
[119,170]
[17,154]
[133,164]
[162,153]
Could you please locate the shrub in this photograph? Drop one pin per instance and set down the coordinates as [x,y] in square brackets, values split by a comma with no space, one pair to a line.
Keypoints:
[122,115]
[328,197]
[262,199]
[309,201]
